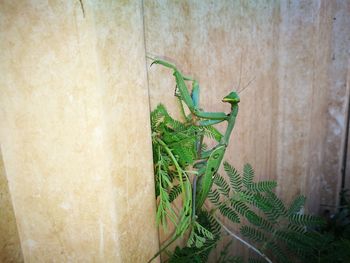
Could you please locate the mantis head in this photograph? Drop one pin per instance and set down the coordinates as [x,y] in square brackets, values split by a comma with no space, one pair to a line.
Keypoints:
[232,98]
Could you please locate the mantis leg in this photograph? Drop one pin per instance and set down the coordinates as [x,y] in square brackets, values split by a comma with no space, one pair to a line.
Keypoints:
[213,165]
[185,95]
[195,94]
[209,122]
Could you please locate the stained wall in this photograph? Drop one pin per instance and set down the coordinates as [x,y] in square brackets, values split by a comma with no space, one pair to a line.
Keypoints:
[290,57]
[75,133]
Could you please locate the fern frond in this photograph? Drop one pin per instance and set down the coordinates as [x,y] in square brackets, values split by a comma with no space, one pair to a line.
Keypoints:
[248,175]
[264,186]
[222,185]
[156,115]
[174,192]
[199,235]
[235,178]
[253,234]
[176,125]
[296,205]
[240,207]
[278,206]
[165,210]
[258,200]
[278,252]
[306,220]
[296,228]
[294,241]
[212,132]
[258,221]
[202,230]
[214,197]
[229,213]
[215,227]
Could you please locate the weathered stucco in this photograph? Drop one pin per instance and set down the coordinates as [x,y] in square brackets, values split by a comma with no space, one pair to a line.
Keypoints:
[75,132]
[291,123]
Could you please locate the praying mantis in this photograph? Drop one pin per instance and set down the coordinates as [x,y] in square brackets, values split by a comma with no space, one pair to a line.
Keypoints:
[208,162]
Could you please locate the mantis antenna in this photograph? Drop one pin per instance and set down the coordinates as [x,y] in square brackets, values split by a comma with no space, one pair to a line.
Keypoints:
[246,86]
[240,78]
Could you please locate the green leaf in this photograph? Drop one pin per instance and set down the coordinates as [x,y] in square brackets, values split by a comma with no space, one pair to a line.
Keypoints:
[229,213]
[214,197]
[223,187]
[248,175]
[278,252]
[258,221]
[253,234]
[278,206]
[235,178]
[306,220]
[212,132]
[264,186]
[240,207]
[296,205]
[174,193]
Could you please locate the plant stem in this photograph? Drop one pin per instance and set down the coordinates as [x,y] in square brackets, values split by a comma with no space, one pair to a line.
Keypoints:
[242,241]
[176,236]
[178,168]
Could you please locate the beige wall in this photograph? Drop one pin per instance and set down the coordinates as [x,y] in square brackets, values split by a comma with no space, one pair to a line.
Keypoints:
[74,103]
[291,123]
[75,132]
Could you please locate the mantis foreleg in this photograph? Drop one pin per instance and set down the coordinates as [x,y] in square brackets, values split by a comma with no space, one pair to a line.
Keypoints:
[212,166]
[185,95]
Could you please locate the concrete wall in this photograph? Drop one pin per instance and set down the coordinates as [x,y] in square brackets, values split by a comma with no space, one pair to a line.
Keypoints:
[75,132]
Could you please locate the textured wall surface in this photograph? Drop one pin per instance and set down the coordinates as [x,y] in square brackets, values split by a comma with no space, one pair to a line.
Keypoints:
[291,124]
[77,154]
[10,246]
[74,103]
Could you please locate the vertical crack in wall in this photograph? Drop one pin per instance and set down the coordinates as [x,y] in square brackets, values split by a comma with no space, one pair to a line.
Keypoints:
[10,245]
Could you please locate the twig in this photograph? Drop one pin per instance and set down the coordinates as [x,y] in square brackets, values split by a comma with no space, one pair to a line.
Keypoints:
[242,241]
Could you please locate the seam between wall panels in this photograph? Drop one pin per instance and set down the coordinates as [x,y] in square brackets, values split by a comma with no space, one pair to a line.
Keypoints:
[147,81]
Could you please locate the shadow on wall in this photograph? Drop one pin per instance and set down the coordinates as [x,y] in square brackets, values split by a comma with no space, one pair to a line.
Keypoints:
[10,246]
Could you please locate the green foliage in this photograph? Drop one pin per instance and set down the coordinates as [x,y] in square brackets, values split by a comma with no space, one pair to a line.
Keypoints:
[229,213]
[296,205]
[200,253]
[225,256]
[333,240]
[235,180]
[283,234]
[276,231]
[174,153]
[272,229]
[223,186]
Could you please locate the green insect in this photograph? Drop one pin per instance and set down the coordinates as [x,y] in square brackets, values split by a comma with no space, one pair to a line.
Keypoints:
[210,160]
